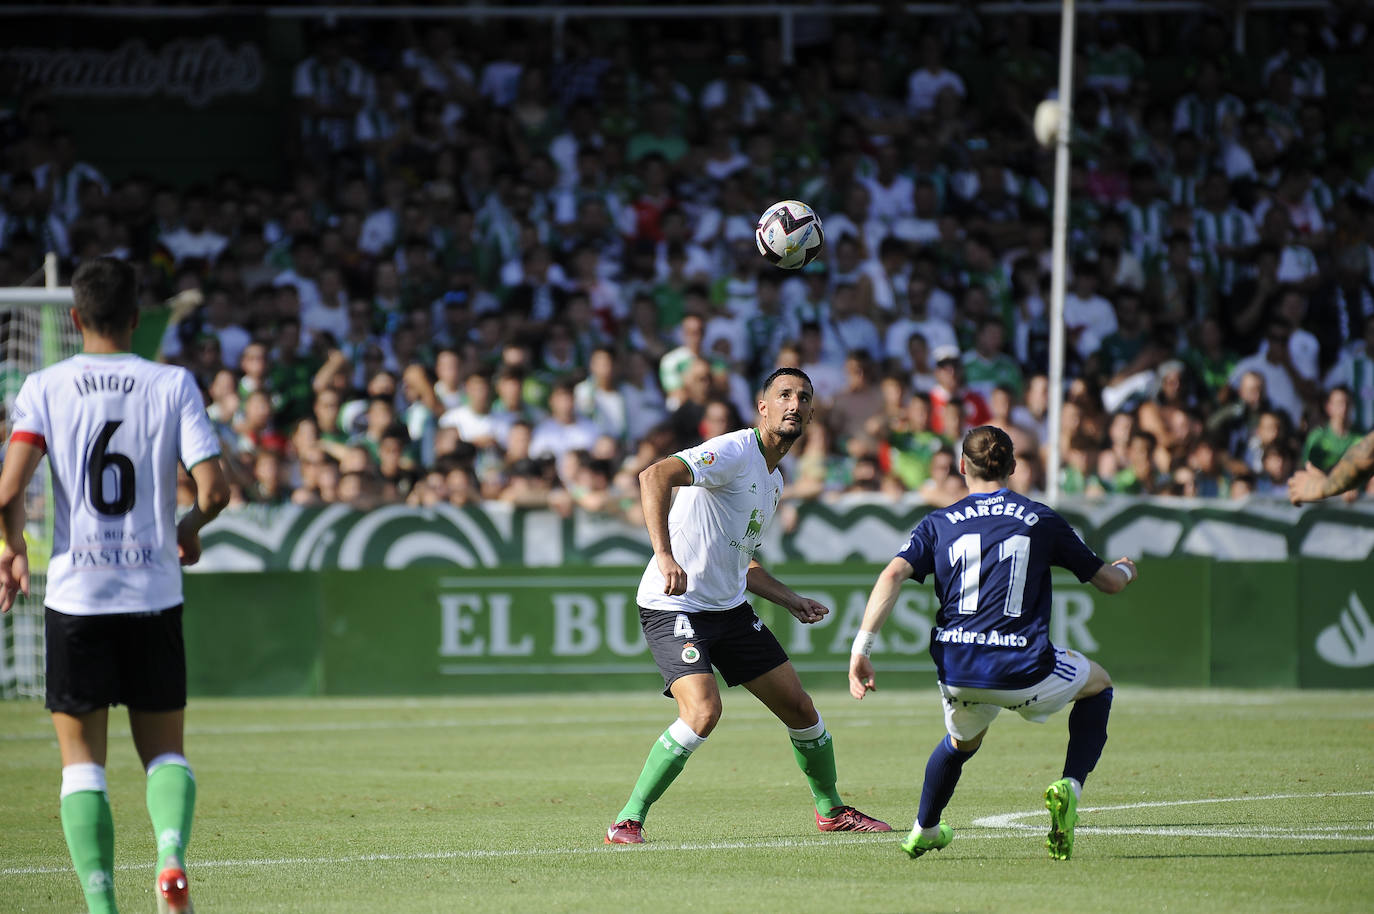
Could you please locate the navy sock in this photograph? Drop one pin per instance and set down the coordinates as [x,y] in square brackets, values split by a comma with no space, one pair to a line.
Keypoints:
[1087,734]
[942,774]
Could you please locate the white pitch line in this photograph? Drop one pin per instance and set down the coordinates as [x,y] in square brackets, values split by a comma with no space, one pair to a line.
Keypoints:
[764,844]
[1012,819]
[1005,825]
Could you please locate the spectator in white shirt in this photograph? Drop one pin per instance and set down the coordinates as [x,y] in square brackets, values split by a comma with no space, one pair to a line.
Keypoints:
[743,101]
[925,84]
[305,269]
[563,430]
[937,333]
[475,421]
[850,330]
[1283,383]
[598,398]
[330,313]
[379,228]
[890,191]
[921,225]
[1088,317]
[1303,348]
[193,239]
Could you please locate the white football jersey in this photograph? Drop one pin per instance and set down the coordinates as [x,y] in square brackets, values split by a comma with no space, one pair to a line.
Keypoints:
[716,524]
[114,427]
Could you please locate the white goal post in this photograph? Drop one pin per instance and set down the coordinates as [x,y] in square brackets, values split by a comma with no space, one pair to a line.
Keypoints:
[36,330]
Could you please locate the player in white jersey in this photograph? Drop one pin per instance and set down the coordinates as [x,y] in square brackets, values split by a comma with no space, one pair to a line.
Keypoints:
[693,610]
[114,427]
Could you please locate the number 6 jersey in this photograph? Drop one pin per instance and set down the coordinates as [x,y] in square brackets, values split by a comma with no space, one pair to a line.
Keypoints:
[114,427]
[991,556]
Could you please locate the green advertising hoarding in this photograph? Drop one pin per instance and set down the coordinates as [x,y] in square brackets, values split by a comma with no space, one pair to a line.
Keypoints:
[1335,632]
[253,634]
[440,631]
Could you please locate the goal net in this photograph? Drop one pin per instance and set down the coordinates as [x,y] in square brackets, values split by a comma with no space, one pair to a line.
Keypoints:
[36,330]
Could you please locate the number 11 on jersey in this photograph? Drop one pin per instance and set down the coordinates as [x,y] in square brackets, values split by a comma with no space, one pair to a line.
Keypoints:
[966,555]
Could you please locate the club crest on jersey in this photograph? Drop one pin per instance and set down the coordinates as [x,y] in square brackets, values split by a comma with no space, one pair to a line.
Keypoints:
[706,458]
[689,653]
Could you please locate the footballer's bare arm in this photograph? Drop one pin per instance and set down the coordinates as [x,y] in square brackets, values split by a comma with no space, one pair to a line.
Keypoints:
[21,461]
[656,484]
[760,582]
[880,602]
[1353,470]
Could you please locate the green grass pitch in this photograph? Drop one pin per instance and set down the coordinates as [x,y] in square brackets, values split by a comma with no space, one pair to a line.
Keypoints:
[1204,800]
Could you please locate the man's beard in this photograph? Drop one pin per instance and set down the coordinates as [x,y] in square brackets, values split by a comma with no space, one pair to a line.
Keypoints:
[787,434]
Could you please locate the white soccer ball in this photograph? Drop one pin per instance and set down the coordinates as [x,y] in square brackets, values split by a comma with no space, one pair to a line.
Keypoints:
[1046,124]
[789,234]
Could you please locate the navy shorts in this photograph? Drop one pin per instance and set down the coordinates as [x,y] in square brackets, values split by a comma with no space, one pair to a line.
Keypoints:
[735,641]
[133,659]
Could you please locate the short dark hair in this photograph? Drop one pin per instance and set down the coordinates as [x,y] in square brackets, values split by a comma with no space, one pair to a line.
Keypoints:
[988,453]
[787,372]
[106,293]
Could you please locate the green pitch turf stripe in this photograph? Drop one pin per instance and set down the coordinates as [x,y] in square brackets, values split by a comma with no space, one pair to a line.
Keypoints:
[1007,826]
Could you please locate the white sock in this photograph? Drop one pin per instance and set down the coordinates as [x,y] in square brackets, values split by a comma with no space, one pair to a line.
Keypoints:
[813,732]
[931,833]
[169,758]
[685,736]
[1077,788]
[83,776]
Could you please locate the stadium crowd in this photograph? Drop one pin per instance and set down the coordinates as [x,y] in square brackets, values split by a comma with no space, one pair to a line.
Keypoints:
[496,275]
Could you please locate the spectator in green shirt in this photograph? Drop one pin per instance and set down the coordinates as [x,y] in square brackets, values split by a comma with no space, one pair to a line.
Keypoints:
[987,366]
[1325,445]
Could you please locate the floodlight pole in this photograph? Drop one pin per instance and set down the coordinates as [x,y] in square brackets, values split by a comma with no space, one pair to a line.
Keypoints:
[1060,252]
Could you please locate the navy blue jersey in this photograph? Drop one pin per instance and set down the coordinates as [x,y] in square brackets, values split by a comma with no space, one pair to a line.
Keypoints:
[991,555]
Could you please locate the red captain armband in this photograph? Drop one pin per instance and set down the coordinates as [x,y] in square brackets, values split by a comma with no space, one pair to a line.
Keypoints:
[30,438]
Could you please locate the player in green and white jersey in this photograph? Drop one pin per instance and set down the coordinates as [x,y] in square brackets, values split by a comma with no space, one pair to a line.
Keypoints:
[695,615]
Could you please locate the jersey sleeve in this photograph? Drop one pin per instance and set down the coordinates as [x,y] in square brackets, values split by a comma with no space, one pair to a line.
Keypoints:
[919,552]
[1069,551]
[197,441]
[29,415]
[716,461]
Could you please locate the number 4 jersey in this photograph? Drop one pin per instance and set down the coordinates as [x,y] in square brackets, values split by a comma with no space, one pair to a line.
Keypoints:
[991,555]
[114,427]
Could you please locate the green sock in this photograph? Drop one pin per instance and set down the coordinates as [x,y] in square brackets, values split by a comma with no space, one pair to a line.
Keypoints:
[815,754]
[171,803]
[664,763]
[89,827]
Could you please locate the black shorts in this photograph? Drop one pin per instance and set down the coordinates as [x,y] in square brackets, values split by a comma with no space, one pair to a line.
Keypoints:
[735,641]
[134,659]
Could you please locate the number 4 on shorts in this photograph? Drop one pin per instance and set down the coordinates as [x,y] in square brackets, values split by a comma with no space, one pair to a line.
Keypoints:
[682,628]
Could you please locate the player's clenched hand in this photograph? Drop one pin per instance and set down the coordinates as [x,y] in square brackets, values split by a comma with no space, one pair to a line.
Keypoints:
[808,611]
[14,577]
[188,546]
[1307,485]
[674,578]
[860,676]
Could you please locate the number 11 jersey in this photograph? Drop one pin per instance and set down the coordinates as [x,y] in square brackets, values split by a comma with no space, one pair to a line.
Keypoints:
[114,427]
[991,555]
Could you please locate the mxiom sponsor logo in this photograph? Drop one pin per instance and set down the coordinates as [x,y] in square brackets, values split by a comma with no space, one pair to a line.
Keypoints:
[1350,642]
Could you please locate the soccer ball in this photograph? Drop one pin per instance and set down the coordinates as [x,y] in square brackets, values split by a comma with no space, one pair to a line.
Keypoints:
[1046,123]
[789,234]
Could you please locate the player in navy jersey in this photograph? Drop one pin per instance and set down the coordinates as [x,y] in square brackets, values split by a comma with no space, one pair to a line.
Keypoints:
[991,555]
